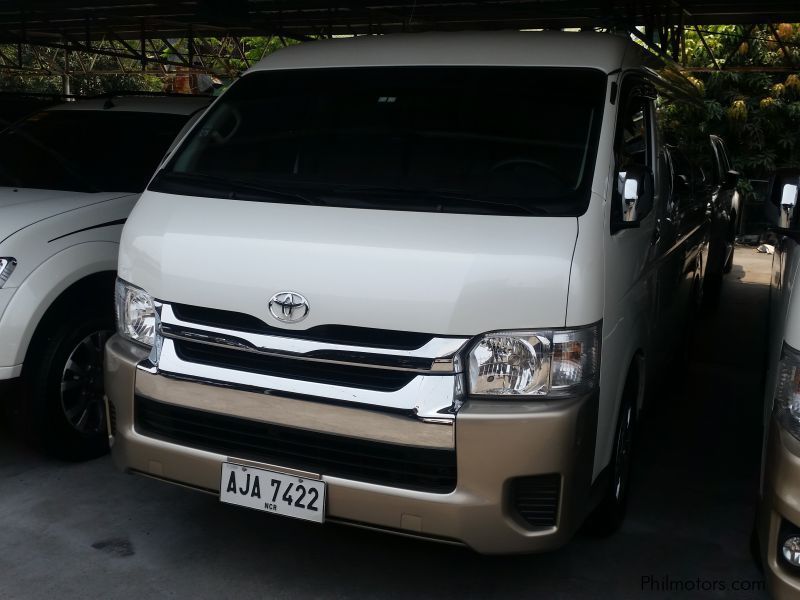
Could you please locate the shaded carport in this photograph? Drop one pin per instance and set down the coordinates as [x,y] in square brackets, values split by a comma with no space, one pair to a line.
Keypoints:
[127,29]
[696,484]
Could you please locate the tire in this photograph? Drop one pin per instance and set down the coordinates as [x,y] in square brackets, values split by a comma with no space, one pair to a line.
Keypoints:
[712,276]
[610,512]
[712,290]
[729,262]
[64,377]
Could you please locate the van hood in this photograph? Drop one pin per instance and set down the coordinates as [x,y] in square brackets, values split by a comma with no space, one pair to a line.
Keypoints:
[446,274]
[21,207]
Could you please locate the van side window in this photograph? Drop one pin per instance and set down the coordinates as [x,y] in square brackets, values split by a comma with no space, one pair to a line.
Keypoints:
[704,166]
[633,138]
[681,176]
[722,157]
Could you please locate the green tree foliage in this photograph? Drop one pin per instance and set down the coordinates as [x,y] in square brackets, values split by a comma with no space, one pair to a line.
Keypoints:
[91,74]
[756,112]
[257,48]
[36,79]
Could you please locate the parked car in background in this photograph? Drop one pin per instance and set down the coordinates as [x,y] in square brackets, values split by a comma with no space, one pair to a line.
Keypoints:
[716,183]
[17,105]
[778,523]
[752,221]
[70,176]
[687,211]
[417,283]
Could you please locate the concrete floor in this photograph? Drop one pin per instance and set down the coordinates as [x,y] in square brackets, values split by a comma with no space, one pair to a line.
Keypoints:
[85,530]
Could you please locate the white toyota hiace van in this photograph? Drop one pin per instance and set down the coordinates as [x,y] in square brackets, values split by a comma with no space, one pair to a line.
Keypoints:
[412,282]
[778,522]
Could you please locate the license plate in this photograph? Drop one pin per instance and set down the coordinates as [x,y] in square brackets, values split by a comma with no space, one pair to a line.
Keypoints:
[273,492]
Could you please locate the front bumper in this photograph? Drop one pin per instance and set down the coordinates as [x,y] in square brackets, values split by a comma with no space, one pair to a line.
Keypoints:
[495,443]
[780,502]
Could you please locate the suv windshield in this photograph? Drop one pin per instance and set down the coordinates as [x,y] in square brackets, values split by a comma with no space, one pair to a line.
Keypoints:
[488,140]
[86,150]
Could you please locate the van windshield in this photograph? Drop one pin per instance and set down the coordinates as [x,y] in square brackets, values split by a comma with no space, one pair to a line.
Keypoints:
[484,140]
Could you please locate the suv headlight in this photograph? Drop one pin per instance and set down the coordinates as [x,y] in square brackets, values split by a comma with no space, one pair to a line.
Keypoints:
[7,266]
[787,392]
[558,362]
[136,314]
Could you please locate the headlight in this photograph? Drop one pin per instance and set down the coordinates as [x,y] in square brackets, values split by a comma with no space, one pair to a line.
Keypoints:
[535,363]
[787,392]
[136,314]
[7,266]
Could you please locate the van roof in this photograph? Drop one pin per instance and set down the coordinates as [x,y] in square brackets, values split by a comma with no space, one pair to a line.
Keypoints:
[469,48]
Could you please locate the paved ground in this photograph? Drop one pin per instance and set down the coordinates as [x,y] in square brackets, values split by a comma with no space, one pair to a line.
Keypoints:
[79,531]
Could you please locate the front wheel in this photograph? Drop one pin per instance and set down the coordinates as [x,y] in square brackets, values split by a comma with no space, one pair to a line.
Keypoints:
[732,240]
[65,382]
[609,514]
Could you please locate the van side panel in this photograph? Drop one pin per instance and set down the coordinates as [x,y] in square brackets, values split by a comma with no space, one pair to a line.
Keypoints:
[587,291]
[628,302]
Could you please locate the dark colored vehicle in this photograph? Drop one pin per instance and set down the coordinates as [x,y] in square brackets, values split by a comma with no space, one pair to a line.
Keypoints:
[715,181]
[687,218]
[16,105]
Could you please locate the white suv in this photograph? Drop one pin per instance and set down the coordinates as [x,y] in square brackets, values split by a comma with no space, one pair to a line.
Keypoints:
[70,176]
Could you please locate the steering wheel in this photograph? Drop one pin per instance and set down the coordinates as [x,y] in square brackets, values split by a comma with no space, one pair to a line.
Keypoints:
[219,138]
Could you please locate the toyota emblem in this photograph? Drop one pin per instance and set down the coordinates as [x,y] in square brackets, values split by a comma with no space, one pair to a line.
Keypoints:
[289,307]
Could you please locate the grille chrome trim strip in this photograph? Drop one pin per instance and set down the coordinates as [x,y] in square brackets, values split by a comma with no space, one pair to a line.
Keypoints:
[427,397]
[438,356]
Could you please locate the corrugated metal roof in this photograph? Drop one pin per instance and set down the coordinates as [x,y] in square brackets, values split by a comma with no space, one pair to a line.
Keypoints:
[83,20]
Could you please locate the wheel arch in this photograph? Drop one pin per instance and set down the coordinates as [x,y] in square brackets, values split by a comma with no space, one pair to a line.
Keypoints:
[64,276]
[95,283]
[631,366]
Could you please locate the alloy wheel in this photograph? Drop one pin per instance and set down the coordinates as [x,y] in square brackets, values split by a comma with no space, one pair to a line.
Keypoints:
[82,386]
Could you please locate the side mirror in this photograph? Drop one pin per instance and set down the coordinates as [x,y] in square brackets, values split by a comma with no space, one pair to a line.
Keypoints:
[788,198]
[781,206]
[635,194]
[730,179]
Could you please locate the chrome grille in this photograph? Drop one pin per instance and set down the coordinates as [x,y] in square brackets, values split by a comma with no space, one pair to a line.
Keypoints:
[418,375]
[331,334]
[305,370]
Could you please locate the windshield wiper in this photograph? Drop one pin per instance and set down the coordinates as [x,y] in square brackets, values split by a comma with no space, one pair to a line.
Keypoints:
[452,199]
[233,189]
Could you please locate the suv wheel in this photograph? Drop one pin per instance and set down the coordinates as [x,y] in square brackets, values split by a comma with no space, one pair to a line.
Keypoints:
[65,382]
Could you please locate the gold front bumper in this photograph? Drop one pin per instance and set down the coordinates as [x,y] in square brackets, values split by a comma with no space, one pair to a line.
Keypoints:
[780,501]
[495,442]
